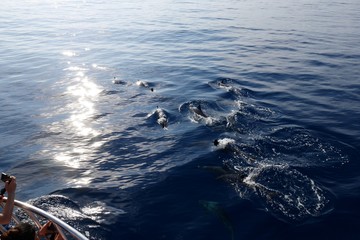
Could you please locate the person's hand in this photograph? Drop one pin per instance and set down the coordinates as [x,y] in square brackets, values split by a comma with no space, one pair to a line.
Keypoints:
[10,186]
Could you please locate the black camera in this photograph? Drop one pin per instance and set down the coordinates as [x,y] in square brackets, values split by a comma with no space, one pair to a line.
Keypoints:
[5,177]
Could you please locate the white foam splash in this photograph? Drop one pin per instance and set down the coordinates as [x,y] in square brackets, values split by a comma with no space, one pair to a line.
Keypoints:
[285,192]
[101,212]
[141,83]
[223,143]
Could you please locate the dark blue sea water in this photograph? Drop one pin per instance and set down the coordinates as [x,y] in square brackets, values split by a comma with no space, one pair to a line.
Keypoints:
[109,111]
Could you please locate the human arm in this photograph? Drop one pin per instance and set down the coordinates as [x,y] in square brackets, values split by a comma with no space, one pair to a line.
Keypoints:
[10,186]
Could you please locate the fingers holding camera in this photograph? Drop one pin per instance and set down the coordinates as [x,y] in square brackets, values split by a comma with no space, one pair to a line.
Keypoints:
[10,185]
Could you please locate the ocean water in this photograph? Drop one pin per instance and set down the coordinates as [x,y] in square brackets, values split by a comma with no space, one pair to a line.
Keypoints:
[183,119]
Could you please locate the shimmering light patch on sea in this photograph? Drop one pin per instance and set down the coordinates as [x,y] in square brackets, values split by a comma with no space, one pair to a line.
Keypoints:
[69,53]
[83,108]
[67,159]
[81,94]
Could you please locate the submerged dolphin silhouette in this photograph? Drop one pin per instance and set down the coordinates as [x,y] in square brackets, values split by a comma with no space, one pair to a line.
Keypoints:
[227,175]
[215,209]
[242,177]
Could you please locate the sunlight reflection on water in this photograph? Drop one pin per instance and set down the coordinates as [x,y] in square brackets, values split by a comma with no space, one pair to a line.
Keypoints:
[81,94]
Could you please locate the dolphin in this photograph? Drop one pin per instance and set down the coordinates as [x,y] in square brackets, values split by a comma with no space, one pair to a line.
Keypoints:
[229,144]
[243,177]
[227,174]
[215,209]
[144,84]
[223,83]
[118,81]
[162,119]
[197,110]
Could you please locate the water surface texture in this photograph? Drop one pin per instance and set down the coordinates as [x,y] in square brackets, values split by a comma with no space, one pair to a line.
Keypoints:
[170,119]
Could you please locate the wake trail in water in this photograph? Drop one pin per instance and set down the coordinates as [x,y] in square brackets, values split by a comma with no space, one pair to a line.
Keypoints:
[262,160]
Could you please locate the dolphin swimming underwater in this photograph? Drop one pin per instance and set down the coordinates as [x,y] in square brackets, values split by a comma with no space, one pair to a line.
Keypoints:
[215,208]
[245,173]
[227,174]
[242,176]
